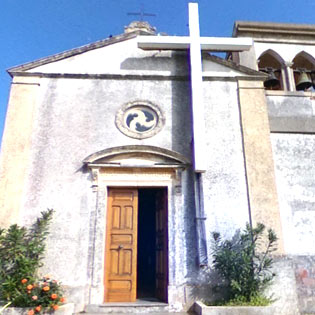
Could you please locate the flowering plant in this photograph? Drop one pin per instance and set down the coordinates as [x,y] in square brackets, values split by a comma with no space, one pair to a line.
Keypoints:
[43,295]
[21,254]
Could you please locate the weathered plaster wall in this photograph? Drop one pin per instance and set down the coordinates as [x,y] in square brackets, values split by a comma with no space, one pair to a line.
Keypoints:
[224,187]
[77,118]
[16,145]
[123,58]
[291,112]
[293,143]
[262,191]
[305,282]
[294,156]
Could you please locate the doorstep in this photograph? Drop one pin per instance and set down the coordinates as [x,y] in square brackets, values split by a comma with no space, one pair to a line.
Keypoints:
[139,306]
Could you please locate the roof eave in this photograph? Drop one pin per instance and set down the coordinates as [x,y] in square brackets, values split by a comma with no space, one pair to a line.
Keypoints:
[234,66]
[73,52]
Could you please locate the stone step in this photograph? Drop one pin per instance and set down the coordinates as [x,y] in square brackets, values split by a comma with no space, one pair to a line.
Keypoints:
[168,313]
[138,307]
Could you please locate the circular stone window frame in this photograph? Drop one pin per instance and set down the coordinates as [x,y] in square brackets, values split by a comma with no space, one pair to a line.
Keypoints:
[120,121]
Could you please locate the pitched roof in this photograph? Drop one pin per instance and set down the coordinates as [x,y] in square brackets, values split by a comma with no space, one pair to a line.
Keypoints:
[76,51]
[116,39]
[234,66]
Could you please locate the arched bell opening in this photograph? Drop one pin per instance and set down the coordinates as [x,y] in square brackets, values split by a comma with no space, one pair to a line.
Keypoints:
[304,72]
[272,64]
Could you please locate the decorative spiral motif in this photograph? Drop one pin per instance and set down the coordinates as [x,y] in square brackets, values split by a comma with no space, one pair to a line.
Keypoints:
[140,119]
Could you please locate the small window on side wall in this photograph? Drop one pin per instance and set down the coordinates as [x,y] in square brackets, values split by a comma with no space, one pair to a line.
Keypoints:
[304,72]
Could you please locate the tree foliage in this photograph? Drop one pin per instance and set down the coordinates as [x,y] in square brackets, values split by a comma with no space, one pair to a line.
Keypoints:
[245,264]
[21,254]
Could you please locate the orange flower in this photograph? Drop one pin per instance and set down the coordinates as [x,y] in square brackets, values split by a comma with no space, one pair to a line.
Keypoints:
[46,288]
[62,300]
[29,292]
[29,287]
[54,296]
[30,312]
[38,308]
[34,297]
[24,281]
[55,307]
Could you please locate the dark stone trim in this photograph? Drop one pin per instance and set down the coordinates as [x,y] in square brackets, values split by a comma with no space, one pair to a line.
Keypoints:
[303,125]
[131,76]
[101,76]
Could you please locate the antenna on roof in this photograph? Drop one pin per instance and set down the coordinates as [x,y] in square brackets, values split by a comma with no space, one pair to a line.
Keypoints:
[142,14]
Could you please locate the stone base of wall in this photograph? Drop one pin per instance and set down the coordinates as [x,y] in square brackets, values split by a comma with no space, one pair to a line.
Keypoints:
[202,309]
[283,290]
[305,282]
[293,289]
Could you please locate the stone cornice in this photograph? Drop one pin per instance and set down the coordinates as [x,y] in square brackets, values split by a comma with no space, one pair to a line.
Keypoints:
[268,30]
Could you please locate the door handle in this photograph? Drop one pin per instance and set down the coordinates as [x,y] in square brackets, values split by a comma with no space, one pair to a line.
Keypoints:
[120,247]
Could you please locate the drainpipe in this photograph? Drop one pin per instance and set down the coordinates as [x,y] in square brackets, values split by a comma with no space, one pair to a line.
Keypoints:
[200,222]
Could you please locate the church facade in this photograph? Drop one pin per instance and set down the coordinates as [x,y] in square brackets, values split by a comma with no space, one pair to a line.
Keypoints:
[105,135]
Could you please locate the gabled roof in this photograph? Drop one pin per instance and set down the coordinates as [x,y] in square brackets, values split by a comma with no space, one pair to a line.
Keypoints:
[234,66]
[76,51]
[120,38]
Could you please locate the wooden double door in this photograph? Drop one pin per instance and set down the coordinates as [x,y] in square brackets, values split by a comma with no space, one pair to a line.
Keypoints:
[136,249]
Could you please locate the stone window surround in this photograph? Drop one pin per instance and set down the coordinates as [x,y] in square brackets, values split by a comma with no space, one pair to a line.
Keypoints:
[120,124]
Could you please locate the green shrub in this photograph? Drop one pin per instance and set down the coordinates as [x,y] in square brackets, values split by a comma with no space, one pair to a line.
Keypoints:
[21,254]
[245,263]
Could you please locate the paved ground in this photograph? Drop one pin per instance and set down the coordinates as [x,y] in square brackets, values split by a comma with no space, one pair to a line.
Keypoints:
[181,313]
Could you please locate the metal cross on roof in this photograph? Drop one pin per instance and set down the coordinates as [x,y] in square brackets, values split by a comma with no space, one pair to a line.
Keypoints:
[195,44]
[142,14]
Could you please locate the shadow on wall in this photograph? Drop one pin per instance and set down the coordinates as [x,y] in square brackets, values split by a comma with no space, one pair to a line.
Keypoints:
[208,287]
[176,63]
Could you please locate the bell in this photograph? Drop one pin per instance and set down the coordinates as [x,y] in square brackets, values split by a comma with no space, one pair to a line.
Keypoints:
[304,82]
[313,79]
[272,81]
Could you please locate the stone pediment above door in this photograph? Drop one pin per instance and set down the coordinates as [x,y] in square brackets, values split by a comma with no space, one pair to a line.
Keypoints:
[137,156]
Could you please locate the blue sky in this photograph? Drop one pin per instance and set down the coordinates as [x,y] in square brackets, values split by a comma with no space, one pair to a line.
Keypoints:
[31,29]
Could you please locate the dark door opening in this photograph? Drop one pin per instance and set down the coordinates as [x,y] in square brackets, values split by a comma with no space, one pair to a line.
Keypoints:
[152,277]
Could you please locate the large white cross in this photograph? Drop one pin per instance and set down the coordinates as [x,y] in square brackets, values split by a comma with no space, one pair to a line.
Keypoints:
[196,44]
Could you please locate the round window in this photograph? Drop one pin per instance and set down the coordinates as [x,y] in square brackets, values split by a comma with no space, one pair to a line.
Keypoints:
[139,119]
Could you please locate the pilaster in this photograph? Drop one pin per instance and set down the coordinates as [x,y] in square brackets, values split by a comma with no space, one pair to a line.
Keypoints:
[262,193]
[16,145]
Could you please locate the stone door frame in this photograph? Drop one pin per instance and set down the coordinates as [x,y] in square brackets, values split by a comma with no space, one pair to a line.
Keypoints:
[134,166]
[110,178]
